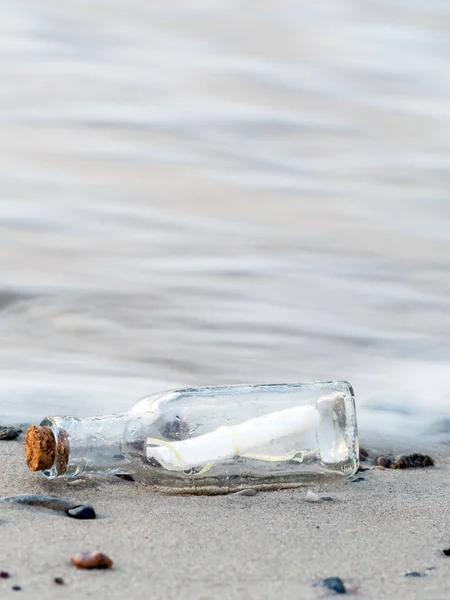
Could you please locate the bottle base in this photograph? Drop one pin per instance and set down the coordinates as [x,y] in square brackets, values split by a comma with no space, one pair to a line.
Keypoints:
[223,486]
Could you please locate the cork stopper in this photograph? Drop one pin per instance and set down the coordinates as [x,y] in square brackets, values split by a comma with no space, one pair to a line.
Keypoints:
[40,448]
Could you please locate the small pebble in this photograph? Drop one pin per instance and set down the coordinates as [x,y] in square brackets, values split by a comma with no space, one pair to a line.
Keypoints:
[312,496]
[91,560]
[9,433]
[59,580]
[326,499]
[415,574]
[383,461]
[16,588]
[50,502]
[4,575]
[363,454]
[412,461]
[335,584]
[84,511]
[249,492]
[446,551]
[358,479]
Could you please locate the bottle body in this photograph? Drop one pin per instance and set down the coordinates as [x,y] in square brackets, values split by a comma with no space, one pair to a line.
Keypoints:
[218,439]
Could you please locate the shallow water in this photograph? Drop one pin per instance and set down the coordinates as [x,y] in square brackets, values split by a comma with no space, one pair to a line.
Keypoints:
[236,192]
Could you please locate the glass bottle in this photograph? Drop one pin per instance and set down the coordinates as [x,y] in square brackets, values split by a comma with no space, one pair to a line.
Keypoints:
[210,439]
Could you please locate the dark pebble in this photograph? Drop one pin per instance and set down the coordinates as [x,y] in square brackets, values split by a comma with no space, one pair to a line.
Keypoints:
[335,584]
[326,499]
[415,574]
[412,461]
[16,588]
[81,512]
[59,580]
[362,469]
[363,454]
[383,461]
[358,479]
[446,551]
[4,575]
[9,433]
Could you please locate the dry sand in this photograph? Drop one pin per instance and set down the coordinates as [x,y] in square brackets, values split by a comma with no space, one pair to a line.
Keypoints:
[271,545]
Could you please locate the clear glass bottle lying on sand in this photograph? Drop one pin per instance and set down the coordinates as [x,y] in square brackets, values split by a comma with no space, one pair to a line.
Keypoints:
[210,440]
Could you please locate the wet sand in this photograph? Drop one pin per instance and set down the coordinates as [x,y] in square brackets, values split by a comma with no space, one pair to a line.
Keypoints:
[272,544]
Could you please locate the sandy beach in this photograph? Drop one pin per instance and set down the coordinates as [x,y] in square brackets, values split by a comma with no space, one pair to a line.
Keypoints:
[274,544]
[223,193]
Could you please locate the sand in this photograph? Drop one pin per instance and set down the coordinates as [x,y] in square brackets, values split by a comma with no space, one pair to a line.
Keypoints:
[271,545]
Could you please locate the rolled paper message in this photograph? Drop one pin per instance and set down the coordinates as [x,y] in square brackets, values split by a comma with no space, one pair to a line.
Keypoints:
[227,442]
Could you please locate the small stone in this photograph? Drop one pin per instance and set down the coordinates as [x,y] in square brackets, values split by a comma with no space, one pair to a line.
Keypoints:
[334,584]
[59,581]
[248,492]
[415,574]
[84,511]
[412,461]
[41,500]
[383,461]
[363,454]
[4,575]
[16,588]
[446,551]
[312,496]
[91,560]
[358,479]
[326,499]
[9,433]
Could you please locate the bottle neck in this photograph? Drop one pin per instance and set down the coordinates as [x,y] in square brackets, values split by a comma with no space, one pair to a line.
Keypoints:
[87,445]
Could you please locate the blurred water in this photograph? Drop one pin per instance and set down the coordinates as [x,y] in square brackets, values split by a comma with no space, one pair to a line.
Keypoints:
[238,191]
